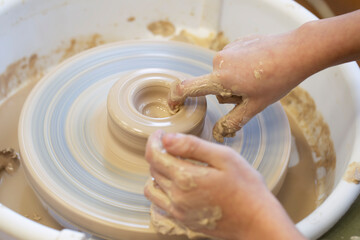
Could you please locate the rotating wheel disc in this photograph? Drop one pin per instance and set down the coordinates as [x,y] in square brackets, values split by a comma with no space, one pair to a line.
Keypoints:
[88,180]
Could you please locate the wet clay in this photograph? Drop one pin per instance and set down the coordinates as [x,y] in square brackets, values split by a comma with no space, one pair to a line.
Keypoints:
[352,174]
[229,124]
[185,180]
[162,27]
[156,110]
[208,84]
[146,91]
[152,102]
[9,161]
[165,224]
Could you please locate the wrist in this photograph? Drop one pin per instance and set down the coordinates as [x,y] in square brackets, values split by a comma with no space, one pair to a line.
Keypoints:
[331,41]
[272,222]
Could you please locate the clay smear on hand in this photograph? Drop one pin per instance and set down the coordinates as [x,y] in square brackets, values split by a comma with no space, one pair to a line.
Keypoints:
[185,180]
[229,124]
[259,71]
[232,122]
[205,217]
[197,86]
[166,225]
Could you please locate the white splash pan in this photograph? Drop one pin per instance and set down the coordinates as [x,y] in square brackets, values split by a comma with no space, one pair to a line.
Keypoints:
[39,26]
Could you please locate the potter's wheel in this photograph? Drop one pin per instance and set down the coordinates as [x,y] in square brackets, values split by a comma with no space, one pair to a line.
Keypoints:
[90,179]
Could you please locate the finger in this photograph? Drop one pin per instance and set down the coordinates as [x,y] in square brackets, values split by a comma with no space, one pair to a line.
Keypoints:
[156,195]
[232,99]
[188,146]
[161,161]
[161,200]
[194,87]
[232,122]
[151,143]
[164,183]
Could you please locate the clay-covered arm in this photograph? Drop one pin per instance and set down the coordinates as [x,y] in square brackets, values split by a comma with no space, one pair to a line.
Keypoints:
[256,71]
[226,199]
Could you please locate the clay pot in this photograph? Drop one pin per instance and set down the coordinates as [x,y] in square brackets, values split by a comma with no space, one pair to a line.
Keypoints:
[137,106]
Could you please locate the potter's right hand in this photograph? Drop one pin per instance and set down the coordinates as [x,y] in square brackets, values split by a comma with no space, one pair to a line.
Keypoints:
[256,71]
[223,197]
[251,73]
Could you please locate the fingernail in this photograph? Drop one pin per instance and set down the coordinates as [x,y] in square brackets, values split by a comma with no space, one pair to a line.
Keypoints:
[155,139]
[160,133]
[171,138]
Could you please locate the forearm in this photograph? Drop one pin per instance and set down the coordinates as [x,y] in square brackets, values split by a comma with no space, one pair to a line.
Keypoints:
[272,222]
[325,43]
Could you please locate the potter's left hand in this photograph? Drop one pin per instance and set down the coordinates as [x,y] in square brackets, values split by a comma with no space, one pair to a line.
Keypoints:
[225,197]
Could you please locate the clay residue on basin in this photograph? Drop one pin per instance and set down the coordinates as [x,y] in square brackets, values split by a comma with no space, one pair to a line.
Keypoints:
[302,108]
[352,174]
[17,73]
[76,45]
[215,40]
[161,27]
[131,19]
[32,68]
[15,84]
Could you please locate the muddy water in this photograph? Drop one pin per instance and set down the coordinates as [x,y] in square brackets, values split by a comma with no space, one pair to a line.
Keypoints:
[298,194]
[15,193]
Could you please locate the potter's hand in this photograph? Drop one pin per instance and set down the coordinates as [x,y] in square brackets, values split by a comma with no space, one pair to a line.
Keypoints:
[225,199]
[250,72]
[256,71]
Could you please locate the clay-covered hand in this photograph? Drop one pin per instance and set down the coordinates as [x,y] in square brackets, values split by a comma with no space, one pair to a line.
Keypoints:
[256,71]
[251,72]
[226,199]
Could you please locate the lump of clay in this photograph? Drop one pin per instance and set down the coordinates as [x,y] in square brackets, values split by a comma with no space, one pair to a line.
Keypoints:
[9,160]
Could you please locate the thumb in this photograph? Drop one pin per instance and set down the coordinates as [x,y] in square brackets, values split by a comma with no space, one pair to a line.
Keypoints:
[188,146]
[232,122]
